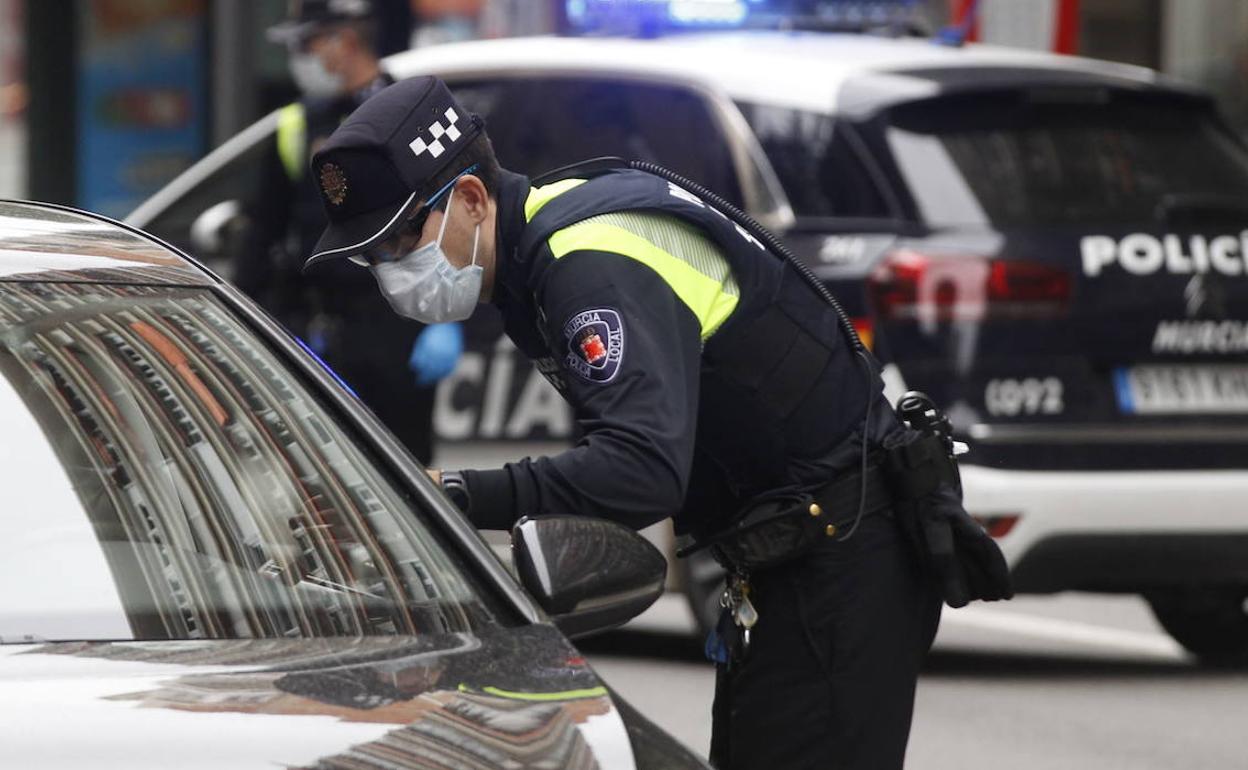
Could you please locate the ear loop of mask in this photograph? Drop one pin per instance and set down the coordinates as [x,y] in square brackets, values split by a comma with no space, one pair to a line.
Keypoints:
[476,232]
[446,215]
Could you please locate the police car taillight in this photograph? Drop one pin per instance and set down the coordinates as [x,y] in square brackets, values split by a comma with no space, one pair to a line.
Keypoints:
[997,525]
[1027,283]
[909,284]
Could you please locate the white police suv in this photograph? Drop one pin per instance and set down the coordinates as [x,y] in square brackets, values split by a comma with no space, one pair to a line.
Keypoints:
[1054,248]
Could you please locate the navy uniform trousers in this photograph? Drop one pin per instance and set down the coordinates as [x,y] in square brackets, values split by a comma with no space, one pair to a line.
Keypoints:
[832,661]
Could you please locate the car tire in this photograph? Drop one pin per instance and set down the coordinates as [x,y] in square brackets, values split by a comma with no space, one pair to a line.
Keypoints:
[1210,623]
[703,581]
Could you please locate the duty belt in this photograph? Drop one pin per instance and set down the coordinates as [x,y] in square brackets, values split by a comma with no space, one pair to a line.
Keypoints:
[777,529]
[840,498]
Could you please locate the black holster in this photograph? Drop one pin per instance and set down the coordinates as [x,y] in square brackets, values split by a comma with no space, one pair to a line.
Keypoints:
[918,466]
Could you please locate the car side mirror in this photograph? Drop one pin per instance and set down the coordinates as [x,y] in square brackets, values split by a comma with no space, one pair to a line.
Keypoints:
[590,575]
[215,231]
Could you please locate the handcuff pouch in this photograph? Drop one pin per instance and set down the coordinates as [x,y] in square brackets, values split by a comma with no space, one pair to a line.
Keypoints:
[767,532]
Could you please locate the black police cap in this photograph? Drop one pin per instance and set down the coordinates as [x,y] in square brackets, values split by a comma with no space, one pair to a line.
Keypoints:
[305,17]
[375,169]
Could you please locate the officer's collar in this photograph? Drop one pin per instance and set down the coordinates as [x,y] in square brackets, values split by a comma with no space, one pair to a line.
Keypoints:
[513,190]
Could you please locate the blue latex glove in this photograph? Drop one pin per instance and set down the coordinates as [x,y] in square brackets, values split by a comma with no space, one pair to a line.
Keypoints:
[436,350]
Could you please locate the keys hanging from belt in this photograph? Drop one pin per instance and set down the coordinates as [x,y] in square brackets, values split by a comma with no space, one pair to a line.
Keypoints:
[736,600]
[729,641]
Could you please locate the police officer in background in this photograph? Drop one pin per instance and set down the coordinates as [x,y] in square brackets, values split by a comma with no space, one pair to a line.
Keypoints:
[713,382]
[333,60]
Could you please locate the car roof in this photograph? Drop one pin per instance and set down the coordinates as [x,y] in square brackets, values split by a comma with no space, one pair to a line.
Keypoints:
[803,70]
[46,242]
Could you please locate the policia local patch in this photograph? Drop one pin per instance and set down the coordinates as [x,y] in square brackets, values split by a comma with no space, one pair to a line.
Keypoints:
[595,344]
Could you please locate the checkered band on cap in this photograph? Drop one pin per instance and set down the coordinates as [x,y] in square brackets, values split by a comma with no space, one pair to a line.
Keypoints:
[438,135]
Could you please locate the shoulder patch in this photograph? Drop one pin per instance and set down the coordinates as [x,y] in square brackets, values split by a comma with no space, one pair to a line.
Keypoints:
[595,340]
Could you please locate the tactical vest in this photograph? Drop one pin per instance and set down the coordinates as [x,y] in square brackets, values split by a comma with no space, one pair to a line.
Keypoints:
[779,379]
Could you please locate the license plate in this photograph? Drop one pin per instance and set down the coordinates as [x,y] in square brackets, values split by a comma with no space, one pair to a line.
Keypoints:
[1182,389]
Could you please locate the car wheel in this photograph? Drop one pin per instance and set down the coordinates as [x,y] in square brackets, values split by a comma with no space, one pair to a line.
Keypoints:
[703,580]
[1211,623]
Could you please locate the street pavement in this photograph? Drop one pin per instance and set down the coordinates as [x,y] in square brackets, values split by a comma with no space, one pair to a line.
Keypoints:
[1069,682]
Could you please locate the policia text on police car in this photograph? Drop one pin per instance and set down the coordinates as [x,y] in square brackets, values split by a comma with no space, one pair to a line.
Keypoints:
[714,383]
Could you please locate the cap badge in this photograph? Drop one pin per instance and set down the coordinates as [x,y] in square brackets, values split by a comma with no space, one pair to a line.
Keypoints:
[333,183]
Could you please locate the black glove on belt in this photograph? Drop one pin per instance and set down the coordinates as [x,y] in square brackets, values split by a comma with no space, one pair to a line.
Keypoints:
[957,552]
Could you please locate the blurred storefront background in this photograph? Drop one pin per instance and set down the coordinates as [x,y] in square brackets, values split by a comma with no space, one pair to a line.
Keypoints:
[103,101]
[12,100]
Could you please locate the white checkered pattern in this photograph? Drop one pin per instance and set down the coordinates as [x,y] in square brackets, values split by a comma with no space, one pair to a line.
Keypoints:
[449,132]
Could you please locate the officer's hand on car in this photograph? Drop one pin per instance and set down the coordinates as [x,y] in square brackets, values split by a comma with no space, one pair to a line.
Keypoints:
[436,350]
[453,484]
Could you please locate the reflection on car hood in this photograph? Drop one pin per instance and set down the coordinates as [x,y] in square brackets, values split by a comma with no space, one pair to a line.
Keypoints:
[45,242]
[501,698]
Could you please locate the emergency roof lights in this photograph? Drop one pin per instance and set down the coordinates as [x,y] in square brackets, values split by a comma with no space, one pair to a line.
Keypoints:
[654,16]
[627,16]
[730,12]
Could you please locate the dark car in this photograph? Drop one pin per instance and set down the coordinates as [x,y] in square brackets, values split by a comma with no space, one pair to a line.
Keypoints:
[214,556]
[1053,248]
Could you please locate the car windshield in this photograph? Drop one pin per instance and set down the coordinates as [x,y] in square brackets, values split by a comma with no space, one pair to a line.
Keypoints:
[165,477]
[1026,159]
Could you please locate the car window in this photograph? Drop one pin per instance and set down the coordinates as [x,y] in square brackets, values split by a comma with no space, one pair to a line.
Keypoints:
[540,124]
[1012,159]
[166,477]
[816,163]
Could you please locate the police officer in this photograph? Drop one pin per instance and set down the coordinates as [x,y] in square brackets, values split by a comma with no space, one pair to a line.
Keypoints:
[333,62]
[712,382]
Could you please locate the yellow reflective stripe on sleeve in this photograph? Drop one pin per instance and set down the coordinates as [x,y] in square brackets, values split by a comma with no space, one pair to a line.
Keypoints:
[592,692]
[540,196]
[292,139]
[703,295]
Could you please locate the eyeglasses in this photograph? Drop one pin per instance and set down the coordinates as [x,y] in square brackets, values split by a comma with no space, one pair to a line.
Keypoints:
[391,249]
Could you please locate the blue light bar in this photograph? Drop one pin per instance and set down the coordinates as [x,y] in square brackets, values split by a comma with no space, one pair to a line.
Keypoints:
[654,16]
[730,12]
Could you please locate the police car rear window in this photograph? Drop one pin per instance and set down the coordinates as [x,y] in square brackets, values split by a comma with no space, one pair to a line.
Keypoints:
[538,124]
[1015,159]
[821,170]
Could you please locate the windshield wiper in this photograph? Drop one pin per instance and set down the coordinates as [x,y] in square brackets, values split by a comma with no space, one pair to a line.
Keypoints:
[1197,208]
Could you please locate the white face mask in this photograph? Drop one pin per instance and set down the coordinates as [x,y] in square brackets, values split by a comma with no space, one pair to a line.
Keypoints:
[311,77]
[425,287]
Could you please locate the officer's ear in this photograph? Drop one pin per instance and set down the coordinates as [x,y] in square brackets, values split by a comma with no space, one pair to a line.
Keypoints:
[471,191]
